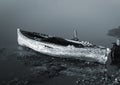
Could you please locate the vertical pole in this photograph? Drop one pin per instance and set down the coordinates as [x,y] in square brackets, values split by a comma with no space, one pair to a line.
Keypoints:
[75,34]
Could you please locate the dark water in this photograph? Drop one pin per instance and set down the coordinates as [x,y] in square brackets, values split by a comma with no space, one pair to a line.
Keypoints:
[22,66]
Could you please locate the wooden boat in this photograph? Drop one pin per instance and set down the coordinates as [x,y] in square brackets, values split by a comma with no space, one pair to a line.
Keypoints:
[59,47]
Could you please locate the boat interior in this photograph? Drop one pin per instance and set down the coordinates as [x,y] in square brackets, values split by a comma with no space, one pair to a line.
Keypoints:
[48,39]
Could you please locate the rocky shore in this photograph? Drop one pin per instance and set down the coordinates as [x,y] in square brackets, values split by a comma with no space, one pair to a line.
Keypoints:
[42,69]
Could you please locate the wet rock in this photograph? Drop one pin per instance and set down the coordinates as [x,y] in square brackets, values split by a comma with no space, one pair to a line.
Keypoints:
[39,68]
[46,67]
[17,81]
[13,82]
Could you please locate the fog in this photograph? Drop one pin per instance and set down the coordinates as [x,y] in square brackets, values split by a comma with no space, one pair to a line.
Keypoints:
[91,18]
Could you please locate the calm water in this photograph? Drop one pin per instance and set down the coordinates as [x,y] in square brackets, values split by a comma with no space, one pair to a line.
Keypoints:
[41,17]
[92,19]
[59,18]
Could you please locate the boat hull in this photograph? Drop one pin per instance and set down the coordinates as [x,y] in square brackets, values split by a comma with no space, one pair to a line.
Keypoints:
[87,53]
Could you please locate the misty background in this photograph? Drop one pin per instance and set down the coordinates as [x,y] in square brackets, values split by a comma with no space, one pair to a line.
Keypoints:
[91,18]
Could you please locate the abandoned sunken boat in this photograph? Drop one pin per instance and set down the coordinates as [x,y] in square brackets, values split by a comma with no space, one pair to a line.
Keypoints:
[59,47]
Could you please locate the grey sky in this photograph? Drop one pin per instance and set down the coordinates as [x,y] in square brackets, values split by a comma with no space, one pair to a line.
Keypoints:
[92,18]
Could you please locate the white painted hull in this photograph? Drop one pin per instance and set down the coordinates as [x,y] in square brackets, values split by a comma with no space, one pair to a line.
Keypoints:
[95,54]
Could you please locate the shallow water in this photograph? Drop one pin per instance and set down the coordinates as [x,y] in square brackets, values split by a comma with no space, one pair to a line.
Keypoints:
[23,66]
